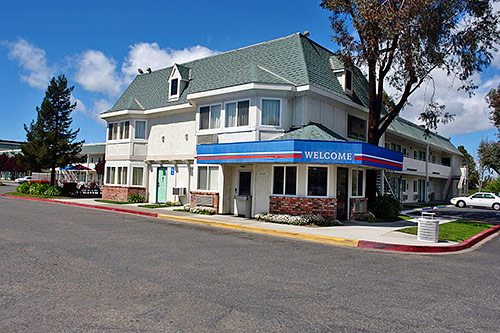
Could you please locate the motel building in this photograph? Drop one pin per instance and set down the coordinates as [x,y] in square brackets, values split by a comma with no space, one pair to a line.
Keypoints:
[276,127]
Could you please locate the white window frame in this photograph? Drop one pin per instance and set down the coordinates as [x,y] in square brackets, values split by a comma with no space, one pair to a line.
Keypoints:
[118,125]
[327,180]
[132,167]
[170,95]
[347,127]
[284,180]
[348,91]
[208,177]
[106,176]
[223,121]
[364,183]
[145,129]
[281,111]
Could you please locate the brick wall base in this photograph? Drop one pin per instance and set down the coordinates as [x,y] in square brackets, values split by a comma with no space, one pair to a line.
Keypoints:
[121,193]
[215,196]
[359,215]
[326,207]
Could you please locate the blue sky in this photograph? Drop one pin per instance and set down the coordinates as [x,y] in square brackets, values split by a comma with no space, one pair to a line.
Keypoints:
[99,45]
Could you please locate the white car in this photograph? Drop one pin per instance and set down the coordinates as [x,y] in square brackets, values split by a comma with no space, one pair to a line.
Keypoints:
[479,199]
[23,179]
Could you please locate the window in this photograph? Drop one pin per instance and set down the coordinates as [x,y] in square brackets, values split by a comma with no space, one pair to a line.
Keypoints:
[356,128]
[110,175]
[285,180]
[110,131]
[140,129]
[415,186]
[271,112]
[348,80]
[91,160]
[137,176]
[126,133]
[477,196]
[174,87]
[208,178]
[121,178]
[357,183]
[317,178]
[210,116]
[237,113]
[404,185]
[115,132]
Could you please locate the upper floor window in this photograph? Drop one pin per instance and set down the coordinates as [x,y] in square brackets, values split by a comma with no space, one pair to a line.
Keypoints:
[119,130]
[174,87]
[348,80]
[356,128]
[210,116]
[140,129]
[237,113]
[271,112]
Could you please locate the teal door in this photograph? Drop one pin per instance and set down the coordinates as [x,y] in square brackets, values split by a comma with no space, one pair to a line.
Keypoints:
[161,189]
[421,190]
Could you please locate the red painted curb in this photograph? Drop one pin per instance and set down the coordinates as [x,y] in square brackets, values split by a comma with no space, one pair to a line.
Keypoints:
[430,248]
[114,209]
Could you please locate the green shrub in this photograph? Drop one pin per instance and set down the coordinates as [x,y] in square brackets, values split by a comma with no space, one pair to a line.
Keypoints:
[493,187]
[52,191]
[23,188]
[135,198]
[386,206]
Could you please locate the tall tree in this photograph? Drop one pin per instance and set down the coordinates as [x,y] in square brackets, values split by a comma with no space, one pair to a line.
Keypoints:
[488,154]
[402,42]
[493,99]
[473,173]
[50,142]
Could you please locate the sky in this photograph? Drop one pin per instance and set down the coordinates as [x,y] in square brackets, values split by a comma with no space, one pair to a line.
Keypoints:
[99,45]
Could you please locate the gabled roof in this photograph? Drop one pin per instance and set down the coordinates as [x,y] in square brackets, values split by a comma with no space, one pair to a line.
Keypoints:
[312,131]
[294,59]
[413,131]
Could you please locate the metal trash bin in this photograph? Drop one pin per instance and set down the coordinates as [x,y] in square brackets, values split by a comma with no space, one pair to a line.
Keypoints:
[428,228]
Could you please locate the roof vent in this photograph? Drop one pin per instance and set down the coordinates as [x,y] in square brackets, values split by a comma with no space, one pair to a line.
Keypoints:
[306,33]
[149,70]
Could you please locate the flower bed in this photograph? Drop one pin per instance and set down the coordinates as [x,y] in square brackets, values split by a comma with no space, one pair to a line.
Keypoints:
[309,219]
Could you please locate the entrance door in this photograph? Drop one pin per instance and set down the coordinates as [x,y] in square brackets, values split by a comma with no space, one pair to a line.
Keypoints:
[243,199]
[342,178]
[421,190]
[161,189]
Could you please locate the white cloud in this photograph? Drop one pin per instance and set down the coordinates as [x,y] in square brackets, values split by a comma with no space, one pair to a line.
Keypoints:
[144,55]
[99,106]
[96,72]
[32,60]
[471,114]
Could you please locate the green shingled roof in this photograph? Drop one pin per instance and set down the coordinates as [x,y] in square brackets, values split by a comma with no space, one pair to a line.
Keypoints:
[312,131]
[400,125]
[294,59]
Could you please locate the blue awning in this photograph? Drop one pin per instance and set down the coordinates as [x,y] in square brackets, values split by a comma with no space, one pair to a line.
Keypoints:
[300,151]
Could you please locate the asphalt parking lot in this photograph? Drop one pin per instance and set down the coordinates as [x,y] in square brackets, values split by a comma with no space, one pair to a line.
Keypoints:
[468,213]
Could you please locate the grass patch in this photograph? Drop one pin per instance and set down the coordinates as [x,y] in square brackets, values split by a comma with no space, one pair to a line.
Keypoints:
[156,205]
[27,195]
[113,202]
[456,231]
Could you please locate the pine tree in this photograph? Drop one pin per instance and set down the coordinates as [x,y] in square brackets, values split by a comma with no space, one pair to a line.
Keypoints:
[50,142]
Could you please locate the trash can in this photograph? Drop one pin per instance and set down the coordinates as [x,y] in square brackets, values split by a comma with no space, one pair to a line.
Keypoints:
[428,228]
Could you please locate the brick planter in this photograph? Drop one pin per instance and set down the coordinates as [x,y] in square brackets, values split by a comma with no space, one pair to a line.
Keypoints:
[362,203]
[121,193]
[326,207]
[199,202]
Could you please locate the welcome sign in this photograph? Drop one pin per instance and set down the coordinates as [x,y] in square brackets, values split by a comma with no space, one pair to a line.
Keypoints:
[300,151]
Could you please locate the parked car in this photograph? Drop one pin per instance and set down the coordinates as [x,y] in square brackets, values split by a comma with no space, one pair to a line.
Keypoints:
[23,179]
[480,199]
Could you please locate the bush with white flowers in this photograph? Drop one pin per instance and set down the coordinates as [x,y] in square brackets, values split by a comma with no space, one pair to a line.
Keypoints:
[202,210]
[309,219]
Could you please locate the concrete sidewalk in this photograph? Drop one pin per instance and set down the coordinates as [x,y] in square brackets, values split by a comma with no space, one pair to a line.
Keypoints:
[375,232]
[379,236]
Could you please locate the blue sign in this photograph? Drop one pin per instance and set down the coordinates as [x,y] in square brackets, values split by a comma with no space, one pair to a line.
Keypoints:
[300,151]
[172,170]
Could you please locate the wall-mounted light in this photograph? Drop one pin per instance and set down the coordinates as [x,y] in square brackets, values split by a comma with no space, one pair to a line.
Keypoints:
[140,71]
[163,139]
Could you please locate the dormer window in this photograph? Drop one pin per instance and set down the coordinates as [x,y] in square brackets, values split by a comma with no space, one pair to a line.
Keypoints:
[348,81]
[174,87]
